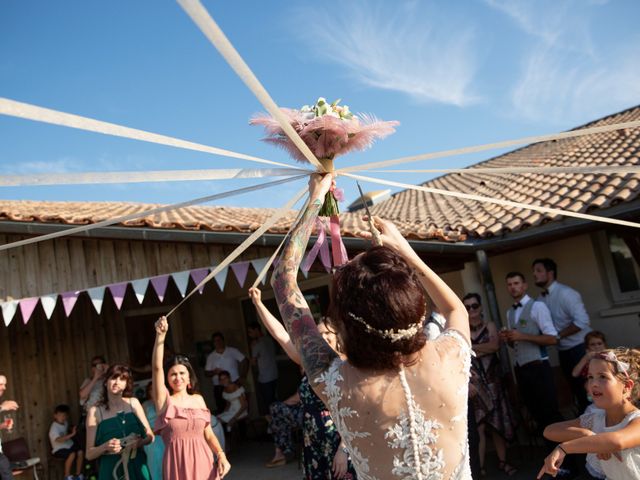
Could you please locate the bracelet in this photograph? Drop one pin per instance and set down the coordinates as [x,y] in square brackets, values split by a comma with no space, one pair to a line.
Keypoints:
[219,452]
[562,449]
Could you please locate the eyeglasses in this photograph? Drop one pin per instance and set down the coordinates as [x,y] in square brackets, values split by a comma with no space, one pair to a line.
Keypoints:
[473,306]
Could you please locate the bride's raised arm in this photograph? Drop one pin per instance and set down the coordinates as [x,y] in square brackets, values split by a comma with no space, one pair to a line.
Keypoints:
[315,353]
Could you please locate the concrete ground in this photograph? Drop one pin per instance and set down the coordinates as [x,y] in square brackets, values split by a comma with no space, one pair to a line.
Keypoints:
[248,459]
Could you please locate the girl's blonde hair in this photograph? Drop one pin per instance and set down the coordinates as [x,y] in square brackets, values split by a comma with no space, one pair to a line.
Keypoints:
[631,358]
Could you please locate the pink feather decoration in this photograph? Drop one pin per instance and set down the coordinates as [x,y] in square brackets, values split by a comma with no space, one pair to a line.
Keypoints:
[326,136]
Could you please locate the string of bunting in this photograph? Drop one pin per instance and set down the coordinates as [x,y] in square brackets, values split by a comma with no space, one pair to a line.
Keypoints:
[140,288]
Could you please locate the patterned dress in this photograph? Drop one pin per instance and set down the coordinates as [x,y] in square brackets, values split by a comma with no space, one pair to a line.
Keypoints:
[490,405]
[320,437]
[285,419]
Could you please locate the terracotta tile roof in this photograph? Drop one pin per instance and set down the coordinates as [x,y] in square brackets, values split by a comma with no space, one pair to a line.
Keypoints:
[430,216]
[420,215]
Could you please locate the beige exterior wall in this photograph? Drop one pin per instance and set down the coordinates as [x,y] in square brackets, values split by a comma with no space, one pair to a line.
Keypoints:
[579,266]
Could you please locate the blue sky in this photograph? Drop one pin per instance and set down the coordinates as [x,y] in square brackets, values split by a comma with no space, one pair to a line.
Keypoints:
[453,73]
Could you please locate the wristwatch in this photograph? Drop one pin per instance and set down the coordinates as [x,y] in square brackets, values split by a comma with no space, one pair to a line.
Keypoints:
[345,450]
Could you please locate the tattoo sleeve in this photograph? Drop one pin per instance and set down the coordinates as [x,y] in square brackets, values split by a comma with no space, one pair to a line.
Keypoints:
[315,353]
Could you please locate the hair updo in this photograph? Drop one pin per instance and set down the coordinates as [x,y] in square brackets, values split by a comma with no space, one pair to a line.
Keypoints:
[384,291]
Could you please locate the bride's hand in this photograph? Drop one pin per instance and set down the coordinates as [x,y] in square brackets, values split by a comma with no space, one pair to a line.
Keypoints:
[389,234]
[162,326]
[319,185]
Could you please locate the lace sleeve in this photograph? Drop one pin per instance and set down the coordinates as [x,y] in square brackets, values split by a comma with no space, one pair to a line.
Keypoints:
[458,345]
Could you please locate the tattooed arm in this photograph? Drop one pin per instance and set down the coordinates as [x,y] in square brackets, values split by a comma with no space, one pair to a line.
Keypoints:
[316,354]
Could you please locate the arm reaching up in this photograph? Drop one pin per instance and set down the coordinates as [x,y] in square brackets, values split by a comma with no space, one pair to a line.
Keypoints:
[273,325]
[445,300]
[316,354]
[158,390]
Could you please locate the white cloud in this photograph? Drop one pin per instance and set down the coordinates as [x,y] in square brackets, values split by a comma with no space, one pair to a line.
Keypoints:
[396,47]
[565,77]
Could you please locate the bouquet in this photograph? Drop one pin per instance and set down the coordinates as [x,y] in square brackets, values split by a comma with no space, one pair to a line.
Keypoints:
[329,130]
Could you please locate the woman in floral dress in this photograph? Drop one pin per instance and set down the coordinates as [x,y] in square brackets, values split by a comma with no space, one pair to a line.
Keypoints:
[324,456]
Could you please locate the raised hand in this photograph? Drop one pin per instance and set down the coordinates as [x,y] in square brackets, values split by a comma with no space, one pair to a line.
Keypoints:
[256,296]
[162,326]
[319,185]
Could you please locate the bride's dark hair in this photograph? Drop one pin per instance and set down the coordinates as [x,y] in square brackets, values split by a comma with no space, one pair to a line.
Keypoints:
[383,290]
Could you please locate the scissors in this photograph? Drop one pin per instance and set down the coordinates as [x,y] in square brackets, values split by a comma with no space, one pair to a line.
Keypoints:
[375,233]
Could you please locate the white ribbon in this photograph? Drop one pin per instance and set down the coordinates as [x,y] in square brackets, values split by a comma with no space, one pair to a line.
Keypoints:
[497,201]
[145,177]
[597,169]
[491,146]
[244,245]
[218,39]
[39,114]
[152,211]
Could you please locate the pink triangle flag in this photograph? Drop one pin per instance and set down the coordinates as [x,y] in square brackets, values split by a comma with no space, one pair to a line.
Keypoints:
[160,286]
[118,291]
[241,269]
[69,300]
[199,275]
[27,306]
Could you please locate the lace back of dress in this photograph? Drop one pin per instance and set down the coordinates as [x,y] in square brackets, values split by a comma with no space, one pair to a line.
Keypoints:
[413,432]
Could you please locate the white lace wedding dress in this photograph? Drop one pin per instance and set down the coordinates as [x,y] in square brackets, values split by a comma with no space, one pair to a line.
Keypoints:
[375,421]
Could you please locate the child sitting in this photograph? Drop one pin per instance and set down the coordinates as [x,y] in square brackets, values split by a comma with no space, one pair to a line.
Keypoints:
[609,436]
[63,444]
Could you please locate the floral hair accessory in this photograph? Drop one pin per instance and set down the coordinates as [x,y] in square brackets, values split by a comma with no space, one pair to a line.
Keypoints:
[621,367]
[391,334]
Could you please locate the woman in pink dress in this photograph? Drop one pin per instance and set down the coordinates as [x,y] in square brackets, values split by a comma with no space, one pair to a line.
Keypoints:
[183,418]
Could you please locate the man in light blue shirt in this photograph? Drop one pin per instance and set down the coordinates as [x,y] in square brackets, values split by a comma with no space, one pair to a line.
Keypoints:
[570,319]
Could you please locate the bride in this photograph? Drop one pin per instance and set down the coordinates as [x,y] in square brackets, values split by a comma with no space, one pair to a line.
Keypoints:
[398,400]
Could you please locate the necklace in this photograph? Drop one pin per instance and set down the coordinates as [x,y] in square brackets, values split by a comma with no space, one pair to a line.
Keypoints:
[475,328]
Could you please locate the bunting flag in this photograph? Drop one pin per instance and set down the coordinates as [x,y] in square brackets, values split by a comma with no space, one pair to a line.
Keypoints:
[49,304]
[118,290]
[27,306]
[240,269]
[221,278]
[258,264]
[305,273]
[160,286]
[140,288]
[97,297]
[69,300]
[8,311]
[198,276]
[182,280]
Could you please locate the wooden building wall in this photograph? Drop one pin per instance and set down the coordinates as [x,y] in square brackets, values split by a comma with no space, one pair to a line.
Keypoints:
[45,361]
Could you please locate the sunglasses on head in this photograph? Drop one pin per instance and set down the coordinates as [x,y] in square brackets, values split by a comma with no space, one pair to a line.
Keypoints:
[473,306]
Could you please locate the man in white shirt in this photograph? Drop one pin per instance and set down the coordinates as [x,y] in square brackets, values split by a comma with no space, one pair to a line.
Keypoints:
[224,358]
[263,356]
[7,424]
[529,332]
[570,319]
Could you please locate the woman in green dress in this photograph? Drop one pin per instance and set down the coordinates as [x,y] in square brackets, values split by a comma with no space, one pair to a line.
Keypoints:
[117,429]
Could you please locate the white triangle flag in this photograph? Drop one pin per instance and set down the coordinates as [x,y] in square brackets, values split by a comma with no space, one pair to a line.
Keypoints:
[97,297]
[182,280]
[49,304]
[258,264]
[8,311]
[221,277]
[305,273]
[140,288]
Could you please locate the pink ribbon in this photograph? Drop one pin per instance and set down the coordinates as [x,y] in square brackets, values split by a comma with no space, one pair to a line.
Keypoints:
[337,246]
[320,247]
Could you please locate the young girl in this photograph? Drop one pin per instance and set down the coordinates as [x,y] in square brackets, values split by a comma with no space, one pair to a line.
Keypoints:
[610,436]
[594,343]
[236,399]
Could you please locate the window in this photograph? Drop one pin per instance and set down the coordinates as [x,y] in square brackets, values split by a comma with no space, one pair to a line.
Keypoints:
[621,258]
